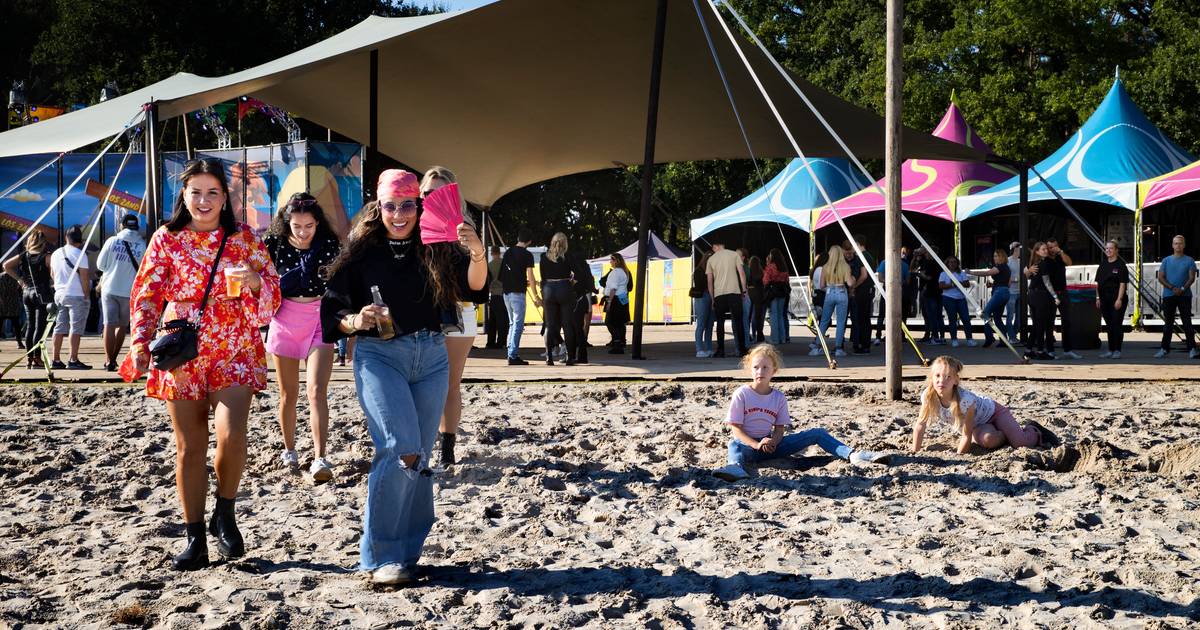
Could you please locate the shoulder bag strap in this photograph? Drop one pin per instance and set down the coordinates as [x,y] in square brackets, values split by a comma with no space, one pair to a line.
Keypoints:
[211,273]
[129,253]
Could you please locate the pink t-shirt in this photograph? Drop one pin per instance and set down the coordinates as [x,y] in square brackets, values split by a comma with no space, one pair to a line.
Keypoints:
[757,414]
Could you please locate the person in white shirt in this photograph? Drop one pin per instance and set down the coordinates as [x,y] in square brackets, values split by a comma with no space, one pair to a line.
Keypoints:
[71,289]
[118,262]
[1014,289]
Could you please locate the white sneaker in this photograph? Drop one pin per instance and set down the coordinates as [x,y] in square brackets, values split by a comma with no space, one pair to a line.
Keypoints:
[700,354]
[1071,354]
[971,343]
[290,459]
[865,458]
[938,342]
[815,352]
[321,470]
[1106,355]
[954,344]
[1161,354]
[877,341]
[1116,354]
[839,353]
[731,473]
[391,574]
[1195,352]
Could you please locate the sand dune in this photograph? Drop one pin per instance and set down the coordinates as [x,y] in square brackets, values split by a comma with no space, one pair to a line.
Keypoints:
[592,505]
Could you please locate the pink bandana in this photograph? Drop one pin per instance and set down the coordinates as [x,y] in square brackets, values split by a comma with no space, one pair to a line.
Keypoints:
[395,184]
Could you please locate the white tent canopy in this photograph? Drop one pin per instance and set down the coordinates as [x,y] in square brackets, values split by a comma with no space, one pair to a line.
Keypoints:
[515,92]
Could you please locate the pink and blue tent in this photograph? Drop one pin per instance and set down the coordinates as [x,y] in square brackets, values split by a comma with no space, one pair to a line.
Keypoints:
[930,187]
[1167,187]
[789,198]
[1104,161]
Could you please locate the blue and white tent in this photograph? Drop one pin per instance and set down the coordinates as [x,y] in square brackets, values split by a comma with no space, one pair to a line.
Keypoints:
[1104,161]
[789,198]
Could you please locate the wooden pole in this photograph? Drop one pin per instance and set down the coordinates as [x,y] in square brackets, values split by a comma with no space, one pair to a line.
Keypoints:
[660,30]
[154,213]
[1023,236]
[893,347]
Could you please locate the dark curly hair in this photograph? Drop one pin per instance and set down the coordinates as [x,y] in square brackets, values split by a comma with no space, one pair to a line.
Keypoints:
[302,203]
[180,217]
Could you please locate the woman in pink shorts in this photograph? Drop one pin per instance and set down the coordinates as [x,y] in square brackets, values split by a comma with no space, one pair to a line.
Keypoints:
[302,244]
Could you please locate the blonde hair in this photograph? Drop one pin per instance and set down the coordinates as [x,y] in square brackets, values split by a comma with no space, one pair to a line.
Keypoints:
[763,350]
[931,403]
[558,247]
[836,271]
[446,175]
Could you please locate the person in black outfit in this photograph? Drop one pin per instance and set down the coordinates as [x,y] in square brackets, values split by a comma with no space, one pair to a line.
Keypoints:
[559,299]
[584,289]
[616,284]
[862,296]
[31,269]
[1057,262]
[1112,279]
[497,315]
[516,277]
[1042,303]
[758,301]
[925,269]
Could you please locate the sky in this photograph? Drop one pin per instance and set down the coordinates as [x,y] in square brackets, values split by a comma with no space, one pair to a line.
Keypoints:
[455,5]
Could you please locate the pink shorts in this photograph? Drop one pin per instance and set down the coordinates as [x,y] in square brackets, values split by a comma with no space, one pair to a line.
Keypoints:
[295,329]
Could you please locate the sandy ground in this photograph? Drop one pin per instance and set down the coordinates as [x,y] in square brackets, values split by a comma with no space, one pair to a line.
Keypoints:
[591,505]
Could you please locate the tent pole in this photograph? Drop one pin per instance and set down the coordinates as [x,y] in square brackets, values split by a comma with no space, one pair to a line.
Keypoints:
[153,180]
[1136,319]
[373,131]
[1023,236]
[187,138]
[893,348]
[660,30]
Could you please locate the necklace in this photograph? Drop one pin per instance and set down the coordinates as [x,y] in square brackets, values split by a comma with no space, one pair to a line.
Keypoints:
[400,249]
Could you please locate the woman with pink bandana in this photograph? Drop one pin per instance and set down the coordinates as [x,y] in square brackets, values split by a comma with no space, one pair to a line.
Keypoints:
[402,378]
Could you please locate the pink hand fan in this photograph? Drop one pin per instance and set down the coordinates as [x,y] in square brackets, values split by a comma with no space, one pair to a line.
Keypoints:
[442,215]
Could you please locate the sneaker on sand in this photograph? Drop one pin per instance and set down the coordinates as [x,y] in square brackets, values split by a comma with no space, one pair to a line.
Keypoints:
[839,353]
[954,343]
[1161,354]
[289,459]
[1106,355]
[1071,354]
[731,473]
[391,574]
[866,458]
[1116,354]
[321,470]
[815,352]
[702,354]
[1193,353]
[877,341]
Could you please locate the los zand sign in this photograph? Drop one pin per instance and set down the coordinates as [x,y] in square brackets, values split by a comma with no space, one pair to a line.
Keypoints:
[118,197]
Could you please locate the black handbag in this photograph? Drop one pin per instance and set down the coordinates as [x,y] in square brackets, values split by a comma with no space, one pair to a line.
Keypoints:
[180,340]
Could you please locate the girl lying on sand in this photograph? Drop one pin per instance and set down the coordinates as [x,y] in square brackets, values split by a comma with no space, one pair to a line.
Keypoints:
[758,417]
[975,418]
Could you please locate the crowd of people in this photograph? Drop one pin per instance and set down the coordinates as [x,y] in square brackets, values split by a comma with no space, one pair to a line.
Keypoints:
[736,286]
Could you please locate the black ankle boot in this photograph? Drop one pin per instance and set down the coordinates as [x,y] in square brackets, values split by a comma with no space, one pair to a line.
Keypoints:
[195,555]
[224,527]
[448,440]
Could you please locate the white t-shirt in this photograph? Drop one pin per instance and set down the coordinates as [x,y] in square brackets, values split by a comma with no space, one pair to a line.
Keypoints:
[1014,278]
[758,415]
[62,262]
[617,282]
[984,407]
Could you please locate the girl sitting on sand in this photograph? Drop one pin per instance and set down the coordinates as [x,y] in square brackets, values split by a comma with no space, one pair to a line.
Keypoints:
[758,417]
[975,418]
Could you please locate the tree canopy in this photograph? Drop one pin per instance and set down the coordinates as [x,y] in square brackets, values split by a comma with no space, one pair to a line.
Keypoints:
[1026,74]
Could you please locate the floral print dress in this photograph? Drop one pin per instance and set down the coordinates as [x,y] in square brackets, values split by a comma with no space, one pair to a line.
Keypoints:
[174,272]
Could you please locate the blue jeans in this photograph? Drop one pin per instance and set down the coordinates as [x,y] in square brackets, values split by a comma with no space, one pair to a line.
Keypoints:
[779,320]
[956,310]
[994,310]
[514,303]
[702,308]
[836,299]
[1014,305]
[402,384]
[740,454]
[931,309]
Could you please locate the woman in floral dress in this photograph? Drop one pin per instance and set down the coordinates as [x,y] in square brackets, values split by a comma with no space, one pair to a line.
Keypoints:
[232,362]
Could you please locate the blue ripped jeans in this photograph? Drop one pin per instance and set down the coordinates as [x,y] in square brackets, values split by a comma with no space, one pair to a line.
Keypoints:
[402,384]
[740,454]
